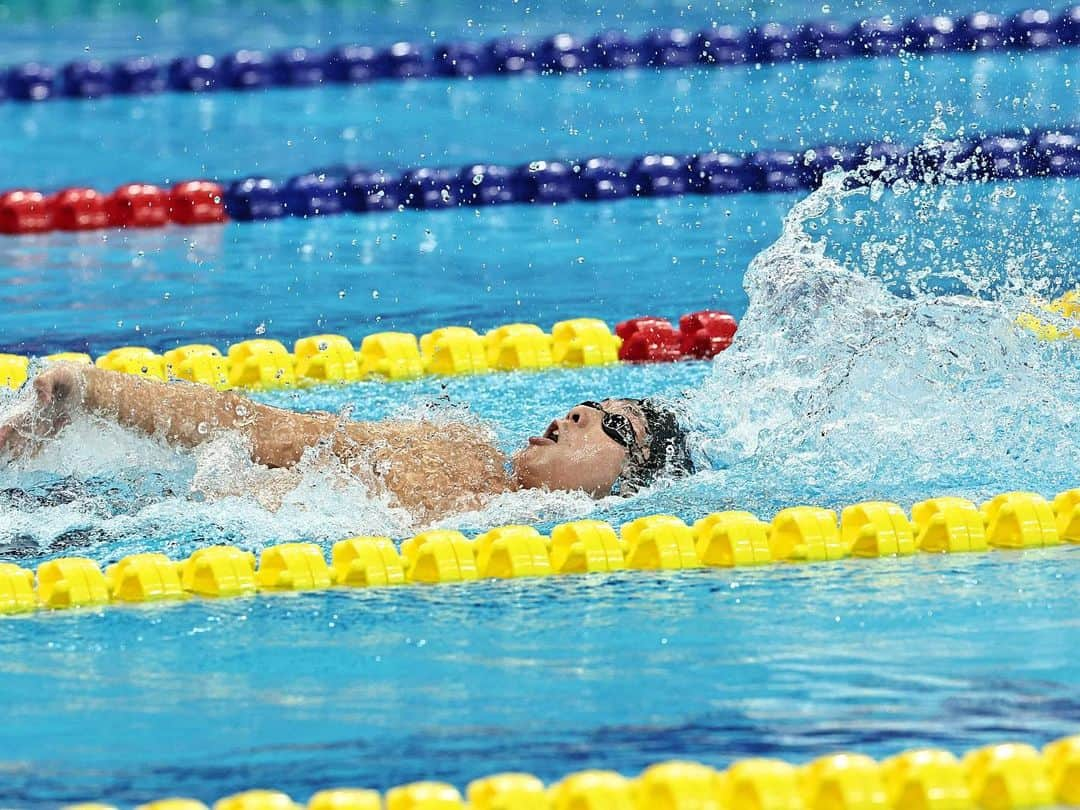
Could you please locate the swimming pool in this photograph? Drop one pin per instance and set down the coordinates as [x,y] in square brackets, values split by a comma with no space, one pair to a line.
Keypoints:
[835,391]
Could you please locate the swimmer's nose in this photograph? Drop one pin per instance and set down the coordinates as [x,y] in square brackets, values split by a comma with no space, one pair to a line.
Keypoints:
[579,415]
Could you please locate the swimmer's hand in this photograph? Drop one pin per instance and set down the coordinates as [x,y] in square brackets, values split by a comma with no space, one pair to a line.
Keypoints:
[55,395]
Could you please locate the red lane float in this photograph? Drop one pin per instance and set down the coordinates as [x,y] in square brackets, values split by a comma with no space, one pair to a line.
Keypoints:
[705,334]
[648,340]
[197,202]
[25,211]
[79,209]
[700,335]
[133,205]
[138,205]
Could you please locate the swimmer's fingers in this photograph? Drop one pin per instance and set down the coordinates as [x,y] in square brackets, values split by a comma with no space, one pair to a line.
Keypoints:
[60,387]
[7,442]
[24,436]
[16,438]
[55,394]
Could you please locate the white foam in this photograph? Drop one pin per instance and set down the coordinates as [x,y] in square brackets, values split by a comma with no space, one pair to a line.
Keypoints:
[834,380]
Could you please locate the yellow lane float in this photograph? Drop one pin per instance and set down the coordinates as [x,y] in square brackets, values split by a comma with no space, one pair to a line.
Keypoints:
[1007,776]
[798,534]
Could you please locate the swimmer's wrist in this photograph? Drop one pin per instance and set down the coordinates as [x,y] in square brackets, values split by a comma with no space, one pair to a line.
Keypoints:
[75,394]
[90,395]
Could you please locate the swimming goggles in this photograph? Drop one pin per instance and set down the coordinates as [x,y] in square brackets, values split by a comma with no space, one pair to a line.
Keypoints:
[618,427]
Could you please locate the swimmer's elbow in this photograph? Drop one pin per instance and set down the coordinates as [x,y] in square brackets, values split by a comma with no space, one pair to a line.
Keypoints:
[280,438]
[275,451]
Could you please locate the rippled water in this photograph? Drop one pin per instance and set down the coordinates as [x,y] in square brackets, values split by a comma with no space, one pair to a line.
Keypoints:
[439,122]
[59,30]
[383,687]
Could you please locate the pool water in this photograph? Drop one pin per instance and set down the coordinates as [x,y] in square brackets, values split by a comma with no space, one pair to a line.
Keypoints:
[383,687]
[876,359]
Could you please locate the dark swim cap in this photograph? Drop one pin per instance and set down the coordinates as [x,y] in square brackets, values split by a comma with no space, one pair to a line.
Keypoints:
[665,446]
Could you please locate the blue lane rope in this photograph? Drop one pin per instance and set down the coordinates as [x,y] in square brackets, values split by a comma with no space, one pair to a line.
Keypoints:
[336,190]
[341,189]
[1031,29]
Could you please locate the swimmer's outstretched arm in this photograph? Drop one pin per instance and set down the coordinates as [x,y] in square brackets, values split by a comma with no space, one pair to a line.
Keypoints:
[184,414]
[432,471]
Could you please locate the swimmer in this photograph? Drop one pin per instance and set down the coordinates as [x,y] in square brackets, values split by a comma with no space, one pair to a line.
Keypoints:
[615,446]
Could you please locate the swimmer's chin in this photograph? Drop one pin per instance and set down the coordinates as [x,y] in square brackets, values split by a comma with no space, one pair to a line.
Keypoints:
[523,468]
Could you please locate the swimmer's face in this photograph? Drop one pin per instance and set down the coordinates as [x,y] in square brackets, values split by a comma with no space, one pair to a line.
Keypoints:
[576,453]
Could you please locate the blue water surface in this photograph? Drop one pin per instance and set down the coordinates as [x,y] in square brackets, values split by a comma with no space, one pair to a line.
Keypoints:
[440,122]
[383,687]
[417,271]
[57,31]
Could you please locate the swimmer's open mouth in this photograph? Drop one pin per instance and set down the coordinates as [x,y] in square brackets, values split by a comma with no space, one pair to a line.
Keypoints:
[552,432]
[551,436]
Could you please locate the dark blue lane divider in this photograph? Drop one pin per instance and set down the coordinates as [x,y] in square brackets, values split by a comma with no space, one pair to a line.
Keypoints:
[1031,29]
[339,189]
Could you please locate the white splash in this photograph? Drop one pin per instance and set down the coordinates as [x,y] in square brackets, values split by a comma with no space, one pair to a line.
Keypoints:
[837,384]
